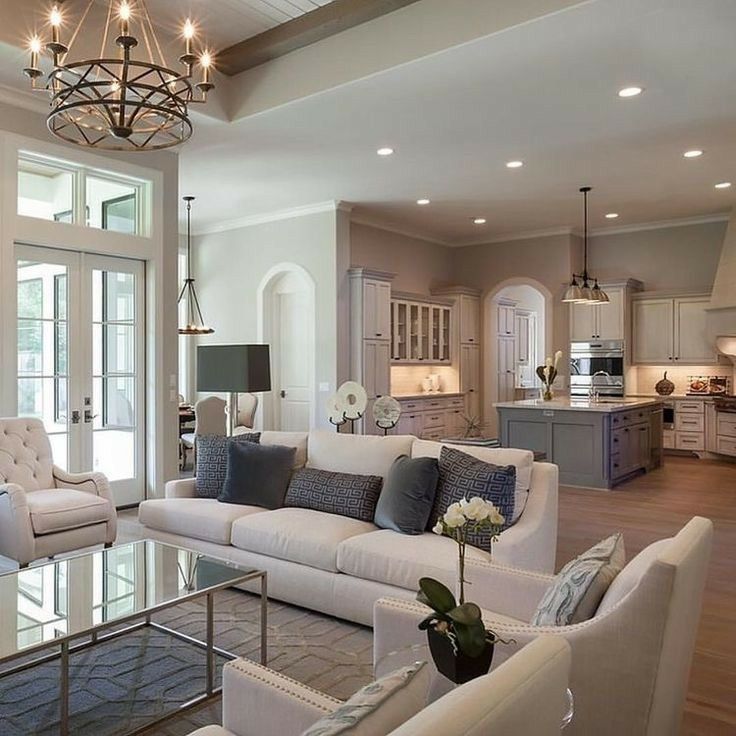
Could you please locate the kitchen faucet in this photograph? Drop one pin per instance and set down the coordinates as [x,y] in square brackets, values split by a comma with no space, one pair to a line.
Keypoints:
[592,393]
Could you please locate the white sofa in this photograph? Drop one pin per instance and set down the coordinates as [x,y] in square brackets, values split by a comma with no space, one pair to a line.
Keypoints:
[341,566]
[525,696]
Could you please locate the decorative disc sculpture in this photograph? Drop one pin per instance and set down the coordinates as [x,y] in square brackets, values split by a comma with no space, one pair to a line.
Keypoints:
[386,412]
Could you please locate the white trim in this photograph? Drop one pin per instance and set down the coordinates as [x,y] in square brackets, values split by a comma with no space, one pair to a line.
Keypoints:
[378,225]
[524,235]
[661,224]
[24,99]
[260,219]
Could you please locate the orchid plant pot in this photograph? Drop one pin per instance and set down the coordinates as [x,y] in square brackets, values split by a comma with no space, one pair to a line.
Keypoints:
[456,665]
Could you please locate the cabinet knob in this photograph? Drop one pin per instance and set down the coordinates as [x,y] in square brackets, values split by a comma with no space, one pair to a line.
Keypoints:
[379,334]
[677,357]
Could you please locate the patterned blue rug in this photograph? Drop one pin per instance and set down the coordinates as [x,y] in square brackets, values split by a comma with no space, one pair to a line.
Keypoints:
[115,687]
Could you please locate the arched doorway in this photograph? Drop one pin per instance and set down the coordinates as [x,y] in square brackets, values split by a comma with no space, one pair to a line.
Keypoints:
[286,321]
[517,334]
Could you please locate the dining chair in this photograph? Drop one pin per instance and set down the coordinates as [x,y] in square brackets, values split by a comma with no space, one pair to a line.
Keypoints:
[209,418]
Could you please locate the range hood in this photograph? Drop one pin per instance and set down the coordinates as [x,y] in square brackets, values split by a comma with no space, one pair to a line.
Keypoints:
[721,323]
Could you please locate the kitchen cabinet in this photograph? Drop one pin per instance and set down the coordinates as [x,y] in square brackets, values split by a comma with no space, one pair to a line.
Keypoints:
[599,321]
[506,369]
[469,318]
[431,416]
[672,330]
[506,320]
[630,449]
[470,378]
[377,370]
[376,309]
[523,337]
[421,331]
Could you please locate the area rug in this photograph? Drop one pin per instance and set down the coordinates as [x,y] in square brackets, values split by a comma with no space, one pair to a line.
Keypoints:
[118,686]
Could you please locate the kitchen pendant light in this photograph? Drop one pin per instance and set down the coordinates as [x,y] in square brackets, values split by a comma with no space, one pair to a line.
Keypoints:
[583,292]
[195,324]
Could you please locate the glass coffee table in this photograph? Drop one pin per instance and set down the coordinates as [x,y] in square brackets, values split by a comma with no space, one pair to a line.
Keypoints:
[75,603]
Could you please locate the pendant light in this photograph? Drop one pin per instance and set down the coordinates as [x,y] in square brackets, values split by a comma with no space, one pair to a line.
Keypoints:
[583,292]
[195,324]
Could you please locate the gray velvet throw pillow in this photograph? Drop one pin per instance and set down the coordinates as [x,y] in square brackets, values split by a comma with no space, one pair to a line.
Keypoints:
[408,495]
[257,475]
[212,461]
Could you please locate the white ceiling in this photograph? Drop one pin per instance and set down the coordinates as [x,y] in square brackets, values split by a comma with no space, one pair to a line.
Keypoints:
[544,92]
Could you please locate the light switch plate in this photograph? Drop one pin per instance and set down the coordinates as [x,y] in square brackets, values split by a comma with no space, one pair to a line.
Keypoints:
[324,387]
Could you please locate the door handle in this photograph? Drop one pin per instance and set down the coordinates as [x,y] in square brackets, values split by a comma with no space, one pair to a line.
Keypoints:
[282,393]
[89,416]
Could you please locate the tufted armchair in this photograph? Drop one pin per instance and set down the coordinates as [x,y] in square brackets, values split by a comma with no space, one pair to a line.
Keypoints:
[44,510]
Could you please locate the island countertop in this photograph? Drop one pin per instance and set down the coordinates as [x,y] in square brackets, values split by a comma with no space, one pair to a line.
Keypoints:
[602,406]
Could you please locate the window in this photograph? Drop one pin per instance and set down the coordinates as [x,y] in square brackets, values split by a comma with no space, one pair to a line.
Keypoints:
[68,193]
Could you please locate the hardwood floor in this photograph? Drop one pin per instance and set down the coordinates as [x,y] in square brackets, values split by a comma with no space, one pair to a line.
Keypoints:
[657,505]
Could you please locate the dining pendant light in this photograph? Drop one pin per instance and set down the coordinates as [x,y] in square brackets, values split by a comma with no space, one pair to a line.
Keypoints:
[195,324]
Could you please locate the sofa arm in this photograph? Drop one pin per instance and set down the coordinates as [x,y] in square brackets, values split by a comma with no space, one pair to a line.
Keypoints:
[92,482]
[181,488]
[16,533]
[506,590]
[531,543]
[257,701]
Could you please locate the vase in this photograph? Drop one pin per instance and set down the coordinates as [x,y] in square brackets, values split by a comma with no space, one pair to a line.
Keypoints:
[459,668]
[547,394]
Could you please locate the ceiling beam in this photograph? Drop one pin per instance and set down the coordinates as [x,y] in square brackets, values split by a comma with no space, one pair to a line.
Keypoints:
[318,24]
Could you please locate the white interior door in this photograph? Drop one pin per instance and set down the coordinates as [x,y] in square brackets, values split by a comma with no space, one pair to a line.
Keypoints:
[293,344]
[80,358]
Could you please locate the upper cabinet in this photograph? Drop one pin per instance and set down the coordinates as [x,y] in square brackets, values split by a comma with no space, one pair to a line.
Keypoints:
[600,321]
[376,309]
[506,320]
[469,307]
[420,331]
[672,330]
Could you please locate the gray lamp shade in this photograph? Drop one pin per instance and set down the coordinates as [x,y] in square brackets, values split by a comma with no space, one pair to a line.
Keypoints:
[233,368]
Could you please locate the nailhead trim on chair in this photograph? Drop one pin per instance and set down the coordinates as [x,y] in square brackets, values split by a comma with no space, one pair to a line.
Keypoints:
[270,682]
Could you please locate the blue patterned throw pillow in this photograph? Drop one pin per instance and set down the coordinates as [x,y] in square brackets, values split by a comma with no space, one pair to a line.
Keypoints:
[344,494]
[212,461]
[463,476]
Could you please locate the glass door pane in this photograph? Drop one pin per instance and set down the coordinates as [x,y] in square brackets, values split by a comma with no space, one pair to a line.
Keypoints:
[43,350]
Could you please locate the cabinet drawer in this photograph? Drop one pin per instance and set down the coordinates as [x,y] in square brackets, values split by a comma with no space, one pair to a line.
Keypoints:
[618,437]
[434,404]
[410,406]
[434,420]
[458,402]
[690,407]
[689,441]
[726,424]
[689,422]
[668,439]
[433,434]
[617,469]
[726,446]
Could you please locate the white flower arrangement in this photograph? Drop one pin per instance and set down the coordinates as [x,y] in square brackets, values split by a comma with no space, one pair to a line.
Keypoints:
[548,373]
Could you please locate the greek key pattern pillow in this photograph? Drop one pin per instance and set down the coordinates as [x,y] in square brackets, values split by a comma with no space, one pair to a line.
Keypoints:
[463,476]
[344,494]
[212,461]
[579,587]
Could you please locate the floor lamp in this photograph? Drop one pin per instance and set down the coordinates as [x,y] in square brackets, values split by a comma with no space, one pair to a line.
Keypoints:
[233,369]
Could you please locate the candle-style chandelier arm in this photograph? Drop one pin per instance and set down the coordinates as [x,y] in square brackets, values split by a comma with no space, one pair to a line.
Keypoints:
[123,100]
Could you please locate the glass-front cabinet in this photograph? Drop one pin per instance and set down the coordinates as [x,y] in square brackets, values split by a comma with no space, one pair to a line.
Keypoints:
[420,331]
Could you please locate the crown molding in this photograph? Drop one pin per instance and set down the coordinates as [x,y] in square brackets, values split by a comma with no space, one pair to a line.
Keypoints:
[265,217]
[379,225]
[660,224]
[524,235]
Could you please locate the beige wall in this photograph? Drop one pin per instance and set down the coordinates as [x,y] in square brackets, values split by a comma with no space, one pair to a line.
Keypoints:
[668,259]
[419,265]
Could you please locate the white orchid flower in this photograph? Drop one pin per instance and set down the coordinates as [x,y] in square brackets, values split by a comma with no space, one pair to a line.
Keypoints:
[496,517]
[558,355]
[476,509]
[438,528]
[454,517]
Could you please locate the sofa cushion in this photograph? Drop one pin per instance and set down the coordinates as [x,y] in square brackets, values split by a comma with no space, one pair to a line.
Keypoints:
[397,559]
[335,493]
[257,475]
[356,453]
[522,460]
[463,476]
[379,707]
[212,461]
[59,509]
[408,495]
[297,535]
[297,440]
[579,587]
[200,518]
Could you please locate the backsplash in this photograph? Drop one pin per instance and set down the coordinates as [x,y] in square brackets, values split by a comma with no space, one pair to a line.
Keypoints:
[647,376]
[407,379]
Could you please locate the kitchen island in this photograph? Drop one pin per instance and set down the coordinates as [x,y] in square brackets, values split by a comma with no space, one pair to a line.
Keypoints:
[595,443]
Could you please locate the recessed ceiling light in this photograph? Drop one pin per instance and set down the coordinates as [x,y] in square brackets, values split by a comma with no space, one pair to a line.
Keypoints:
[723,185]
[514,164]
[480,220]
[630,91]
[612,215]
[693,154]
[385,151]
[422,202]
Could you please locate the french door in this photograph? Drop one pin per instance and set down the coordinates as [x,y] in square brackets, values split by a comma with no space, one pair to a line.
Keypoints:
[81,361]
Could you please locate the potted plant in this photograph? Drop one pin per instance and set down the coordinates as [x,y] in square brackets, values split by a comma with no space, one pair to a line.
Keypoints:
[461,646]
[547,374]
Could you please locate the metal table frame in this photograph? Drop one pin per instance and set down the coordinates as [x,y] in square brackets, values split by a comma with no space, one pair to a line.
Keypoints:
[211,692]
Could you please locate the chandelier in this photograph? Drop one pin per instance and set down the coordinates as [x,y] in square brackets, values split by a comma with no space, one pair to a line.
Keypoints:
[123,100]
[583,292]
[188,295]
